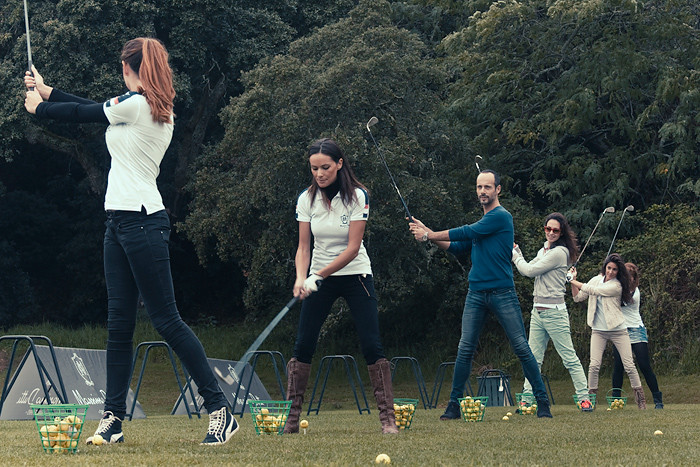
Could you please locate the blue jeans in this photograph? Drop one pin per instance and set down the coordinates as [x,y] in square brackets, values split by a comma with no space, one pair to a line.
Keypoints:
[137,261]
[358,291]
[505,305]
[554,324]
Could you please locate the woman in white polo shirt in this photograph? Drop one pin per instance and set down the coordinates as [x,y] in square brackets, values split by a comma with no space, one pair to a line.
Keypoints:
[334,209]
[136,253]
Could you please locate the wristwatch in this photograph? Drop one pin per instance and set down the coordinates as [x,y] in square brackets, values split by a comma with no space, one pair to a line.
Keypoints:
[424,238]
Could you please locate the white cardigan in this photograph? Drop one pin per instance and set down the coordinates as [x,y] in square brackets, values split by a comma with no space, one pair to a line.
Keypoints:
[611,294]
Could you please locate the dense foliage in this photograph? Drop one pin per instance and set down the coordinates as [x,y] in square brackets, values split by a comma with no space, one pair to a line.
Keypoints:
[578,104]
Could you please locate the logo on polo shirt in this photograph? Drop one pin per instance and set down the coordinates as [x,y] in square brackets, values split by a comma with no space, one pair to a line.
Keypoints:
[344,220]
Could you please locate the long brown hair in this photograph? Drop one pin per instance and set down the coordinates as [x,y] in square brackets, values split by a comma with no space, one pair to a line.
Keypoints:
[622,275]
[148,58]
[346,177]
[567,237]
[634,275]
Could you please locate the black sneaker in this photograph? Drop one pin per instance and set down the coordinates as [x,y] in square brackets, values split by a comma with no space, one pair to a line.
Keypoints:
[543,409]
[451,412]
[110,429]
[222,427]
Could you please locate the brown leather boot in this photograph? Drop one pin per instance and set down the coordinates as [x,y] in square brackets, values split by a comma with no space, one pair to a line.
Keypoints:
[380,376]
[297,379]
[639,398]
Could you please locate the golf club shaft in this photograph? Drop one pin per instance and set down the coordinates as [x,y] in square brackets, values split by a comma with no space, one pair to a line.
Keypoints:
[372,121]
[589,239]
[263,335]
[628,208]
[29,45]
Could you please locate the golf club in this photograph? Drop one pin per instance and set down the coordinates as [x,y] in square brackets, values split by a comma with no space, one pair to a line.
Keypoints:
[263,335]
[373,121]
[609,209]
[29,45]
[629,208]
[478,159]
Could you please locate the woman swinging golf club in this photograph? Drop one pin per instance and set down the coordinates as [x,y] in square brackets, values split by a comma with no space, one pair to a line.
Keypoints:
[606,293]
[136,254]
[640,343]
[335,209]
[549,318]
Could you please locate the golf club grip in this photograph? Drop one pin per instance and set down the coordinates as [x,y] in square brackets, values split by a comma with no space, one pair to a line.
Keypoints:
[31,73]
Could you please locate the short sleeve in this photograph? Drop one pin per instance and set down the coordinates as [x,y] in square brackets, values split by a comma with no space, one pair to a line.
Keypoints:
[360,207]
[303,211]
[122,109]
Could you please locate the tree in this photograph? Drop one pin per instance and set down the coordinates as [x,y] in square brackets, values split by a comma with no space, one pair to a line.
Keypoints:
[581,104]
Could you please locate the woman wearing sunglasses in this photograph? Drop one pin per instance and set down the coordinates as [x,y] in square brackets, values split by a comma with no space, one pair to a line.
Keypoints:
[549,318]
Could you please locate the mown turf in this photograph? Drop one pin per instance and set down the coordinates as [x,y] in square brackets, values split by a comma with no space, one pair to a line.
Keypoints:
[343,437]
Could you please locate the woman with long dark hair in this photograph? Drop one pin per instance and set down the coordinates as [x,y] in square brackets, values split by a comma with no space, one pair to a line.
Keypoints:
[334,209]
[136,252]
[639,340]
[606,294]
[549,318]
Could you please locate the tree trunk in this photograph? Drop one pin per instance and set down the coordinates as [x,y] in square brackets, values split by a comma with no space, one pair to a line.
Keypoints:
[72,148]
[192,138]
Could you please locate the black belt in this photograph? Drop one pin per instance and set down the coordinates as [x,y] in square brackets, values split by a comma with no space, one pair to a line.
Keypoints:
[117,211]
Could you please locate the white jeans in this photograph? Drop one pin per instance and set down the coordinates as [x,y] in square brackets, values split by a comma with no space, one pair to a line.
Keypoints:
[554,324]
[621,341]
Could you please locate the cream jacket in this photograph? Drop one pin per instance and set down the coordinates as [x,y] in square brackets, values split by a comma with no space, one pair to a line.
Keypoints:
[610,292]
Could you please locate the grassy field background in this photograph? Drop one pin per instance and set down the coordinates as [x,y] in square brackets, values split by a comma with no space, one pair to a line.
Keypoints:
[339,435]
[343,437]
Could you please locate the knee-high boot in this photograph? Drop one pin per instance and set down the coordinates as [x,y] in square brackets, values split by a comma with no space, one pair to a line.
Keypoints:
[639,397]
[380,376]
[297,379]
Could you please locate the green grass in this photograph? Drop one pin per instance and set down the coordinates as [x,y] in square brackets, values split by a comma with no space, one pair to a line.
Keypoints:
[340,436]
[343,437]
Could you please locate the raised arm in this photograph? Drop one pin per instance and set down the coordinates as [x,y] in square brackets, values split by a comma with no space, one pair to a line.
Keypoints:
[541,264]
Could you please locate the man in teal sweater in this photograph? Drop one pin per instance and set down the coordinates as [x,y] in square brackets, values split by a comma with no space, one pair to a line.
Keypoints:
[491,288]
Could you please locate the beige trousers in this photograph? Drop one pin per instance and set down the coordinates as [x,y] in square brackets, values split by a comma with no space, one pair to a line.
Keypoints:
[621,341]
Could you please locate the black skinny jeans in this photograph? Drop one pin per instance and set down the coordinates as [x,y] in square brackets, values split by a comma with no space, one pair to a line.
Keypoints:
[641,355]
[358,292]
[137,260]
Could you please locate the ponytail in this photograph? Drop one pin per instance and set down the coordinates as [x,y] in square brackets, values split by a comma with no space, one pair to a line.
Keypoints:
[148,58]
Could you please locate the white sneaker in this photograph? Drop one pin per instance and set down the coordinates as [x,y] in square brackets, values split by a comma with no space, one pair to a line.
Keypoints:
[222,427]
[110,429]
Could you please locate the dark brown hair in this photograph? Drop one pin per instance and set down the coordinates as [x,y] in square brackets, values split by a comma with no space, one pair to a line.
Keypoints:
[622,275]
[567,237]
[346,177]
[634,275]
[148,58]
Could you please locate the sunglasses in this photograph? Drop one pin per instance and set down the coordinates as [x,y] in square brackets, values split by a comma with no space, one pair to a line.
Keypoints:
[552,230]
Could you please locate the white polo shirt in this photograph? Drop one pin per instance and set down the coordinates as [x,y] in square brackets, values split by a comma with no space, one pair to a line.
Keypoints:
[331,227]
[137,145]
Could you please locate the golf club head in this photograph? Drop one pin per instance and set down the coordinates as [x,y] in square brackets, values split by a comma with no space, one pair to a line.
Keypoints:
[372,121]
[478,159]
[609,210]
[629,208]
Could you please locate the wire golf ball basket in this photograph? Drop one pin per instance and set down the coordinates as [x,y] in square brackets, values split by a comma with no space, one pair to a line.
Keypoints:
[269,417]
[616,402]
[403,412]
[59,426]
[473,409]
